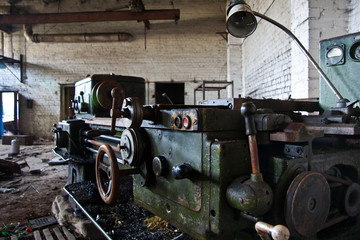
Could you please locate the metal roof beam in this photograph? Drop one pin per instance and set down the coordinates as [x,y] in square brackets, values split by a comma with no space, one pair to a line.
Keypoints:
[43,18]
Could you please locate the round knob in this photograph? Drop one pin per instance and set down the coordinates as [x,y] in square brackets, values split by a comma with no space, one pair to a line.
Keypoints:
[160,166]
[247,110]
[182,171]
[117,92]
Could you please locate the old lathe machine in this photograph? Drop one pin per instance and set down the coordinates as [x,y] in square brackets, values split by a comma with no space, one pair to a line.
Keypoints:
[237,168]
[215,169]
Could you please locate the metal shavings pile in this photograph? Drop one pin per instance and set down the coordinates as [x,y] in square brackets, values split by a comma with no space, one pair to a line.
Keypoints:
[155,223]
[125,221]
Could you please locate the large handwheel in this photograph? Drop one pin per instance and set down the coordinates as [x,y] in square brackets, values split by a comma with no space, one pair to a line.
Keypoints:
[107,174]
[307,203]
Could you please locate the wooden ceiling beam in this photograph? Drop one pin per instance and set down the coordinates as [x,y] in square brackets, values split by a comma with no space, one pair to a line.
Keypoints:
[43,18]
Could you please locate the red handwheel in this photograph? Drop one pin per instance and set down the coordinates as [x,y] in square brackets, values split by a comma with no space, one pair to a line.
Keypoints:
[107,174]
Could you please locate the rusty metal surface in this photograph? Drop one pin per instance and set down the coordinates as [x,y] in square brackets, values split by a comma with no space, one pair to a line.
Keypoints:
[72,17]
[336,129]
[274,104]
[296,132]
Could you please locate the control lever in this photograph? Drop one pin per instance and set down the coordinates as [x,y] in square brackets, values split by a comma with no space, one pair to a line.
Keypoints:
[83,106]
[182,171]
[75,105]
[167,97]
[253,196]
[115,112]
[248,110]
[278,232]
[351,104]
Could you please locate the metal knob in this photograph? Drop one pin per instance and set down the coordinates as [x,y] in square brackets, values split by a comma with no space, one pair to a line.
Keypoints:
[182,171]
[160,166]
[247,110]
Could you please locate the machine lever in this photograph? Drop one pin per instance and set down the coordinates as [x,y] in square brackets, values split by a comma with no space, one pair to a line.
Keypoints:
[247,110]
[116,93]
[182,171]
[167,97]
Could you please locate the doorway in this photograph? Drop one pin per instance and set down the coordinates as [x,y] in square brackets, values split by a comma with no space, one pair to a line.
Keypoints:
[67,94]
[9,104]
[174,91]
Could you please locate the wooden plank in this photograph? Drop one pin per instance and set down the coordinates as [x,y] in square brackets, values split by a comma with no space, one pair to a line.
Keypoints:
[47,234]
[37,235]
[68,234]
[58,233]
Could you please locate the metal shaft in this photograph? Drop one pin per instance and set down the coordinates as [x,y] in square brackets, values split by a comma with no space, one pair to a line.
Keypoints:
[255,166]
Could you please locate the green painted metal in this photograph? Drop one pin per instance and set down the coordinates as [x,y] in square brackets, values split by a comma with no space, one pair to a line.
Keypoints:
[197,205]
[253,195]
[340,60]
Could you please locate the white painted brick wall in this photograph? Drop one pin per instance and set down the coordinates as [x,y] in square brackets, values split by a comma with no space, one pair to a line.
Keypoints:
[327,19]
[299,63]
[266,62]
[354,17]
[234,66]
[187,51]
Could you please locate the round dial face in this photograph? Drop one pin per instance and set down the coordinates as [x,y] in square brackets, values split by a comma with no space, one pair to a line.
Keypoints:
[335,55]
[334,52]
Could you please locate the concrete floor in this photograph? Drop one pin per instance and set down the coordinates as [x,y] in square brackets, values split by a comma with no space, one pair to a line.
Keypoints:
[30,194]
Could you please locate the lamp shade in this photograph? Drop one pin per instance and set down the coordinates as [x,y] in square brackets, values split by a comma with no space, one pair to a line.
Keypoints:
[241,21]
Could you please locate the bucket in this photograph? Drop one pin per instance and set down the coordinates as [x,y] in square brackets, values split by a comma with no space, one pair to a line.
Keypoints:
[15,146]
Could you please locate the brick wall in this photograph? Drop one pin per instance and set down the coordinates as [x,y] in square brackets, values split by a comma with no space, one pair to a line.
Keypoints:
[354,17]
[266,65]
[189,51]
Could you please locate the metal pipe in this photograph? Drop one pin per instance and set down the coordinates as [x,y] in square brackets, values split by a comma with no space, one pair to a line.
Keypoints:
[73,17]
[334,221]
[336,179]
[76,37]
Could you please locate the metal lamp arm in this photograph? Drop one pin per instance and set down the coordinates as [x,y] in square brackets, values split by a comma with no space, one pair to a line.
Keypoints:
[302,48]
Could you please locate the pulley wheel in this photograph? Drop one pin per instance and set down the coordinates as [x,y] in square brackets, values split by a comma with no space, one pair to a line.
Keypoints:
[307,203]
[133,112]
[107,174]
[352,200]
[132,147]
[102,93]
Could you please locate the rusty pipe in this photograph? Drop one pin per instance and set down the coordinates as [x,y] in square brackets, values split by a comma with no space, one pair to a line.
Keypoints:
[76,37]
